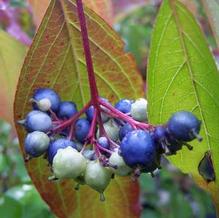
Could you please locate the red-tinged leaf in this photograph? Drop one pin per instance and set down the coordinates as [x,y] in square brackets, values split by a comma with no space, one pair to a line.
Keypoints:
[12,55]
[56,60]
[102,7]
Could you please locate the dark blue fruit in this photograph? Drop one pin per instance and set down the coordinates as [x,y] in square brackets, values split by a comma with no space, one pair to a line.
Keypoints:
[38,121]
[138,149]
[46,93]
[57,144]
[173,145]
[124,130]
[36,143]
[124,105]
[82,127]
[184,126]
[90,112]
[159,133]
[67,109]
[159,136]
[103,142]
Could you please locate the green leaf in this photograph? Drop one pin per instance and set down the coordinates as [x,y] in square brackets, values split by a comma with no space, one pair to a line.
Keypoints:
[10,208]
[211,9]
[12,55]
[183,76]
[56,60]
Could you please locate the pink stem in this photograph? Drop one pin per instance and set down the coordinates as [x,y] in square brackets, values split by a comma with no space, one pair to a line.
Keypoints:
[54,116]
[103,149]
[93,126]
[117,114]
[71,132]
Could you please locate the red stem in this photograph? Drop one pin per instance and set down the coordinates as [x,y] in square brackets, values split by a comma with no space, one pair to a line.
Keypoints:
[87,52]
[117,114]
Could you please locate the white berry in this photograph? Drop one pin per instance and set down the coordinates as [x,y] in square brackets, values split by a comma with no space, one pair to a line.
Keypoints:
[121,168]
[97,176]
[111,129]
[139,110]
[68,163]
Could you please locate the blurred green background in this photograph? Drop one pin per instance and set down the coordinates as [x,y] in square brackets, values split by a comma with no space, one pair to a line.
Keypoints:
[170,194]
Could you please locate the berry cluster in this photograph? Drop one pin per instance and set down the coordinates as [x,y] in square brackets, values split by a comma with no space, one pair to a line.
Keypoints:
[100,141]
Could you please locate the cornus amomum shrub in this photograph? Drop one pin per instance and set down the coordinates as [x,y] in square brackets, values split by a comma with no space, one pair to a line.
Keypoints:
[86,124]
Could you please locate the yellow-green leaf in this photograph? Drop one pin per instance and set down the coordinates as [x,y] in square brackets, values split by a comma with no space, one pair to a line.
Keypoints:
[12,55]
[183,76]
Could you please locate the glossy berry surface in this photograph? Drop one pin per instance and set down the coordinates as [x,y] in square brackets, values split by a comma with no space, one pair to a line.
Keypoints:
[103,142]
[36,143]
[68,163]
[124,130]
[38,121]
[138,149]
[82,127]
[184,126]
[67,109]
[49,94]
[124,106]
[54,146]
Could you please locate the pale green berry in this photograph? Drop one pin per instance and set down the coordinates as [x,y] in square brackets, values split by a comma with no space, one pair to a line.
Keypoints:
[121,168]
[111,129]
[68,163]
[97,176]
[139,110]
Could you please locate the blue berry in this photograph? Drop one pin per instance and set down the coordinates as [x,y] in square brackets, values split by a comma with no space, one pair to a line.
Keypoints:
[184,126]
[38,121]
[45,99]
[124,130]
[103,142]
[67,109]
[173,144]
[124,106]
[54,146]
[82,127]
[36,143]
[89,154]
[90,112]
[138,149]
[159,133]
[159,136]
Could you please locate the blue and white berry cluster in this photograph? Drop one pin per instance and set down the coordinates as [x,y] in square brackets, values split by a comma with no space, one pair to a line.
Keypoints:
[100,141]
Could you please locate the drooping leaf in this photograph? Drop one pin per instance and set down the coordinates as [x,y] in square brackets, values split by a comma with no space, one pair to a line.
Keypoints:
[212,8]
[183,76]
[12,55]
[56,60]
[102,7]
